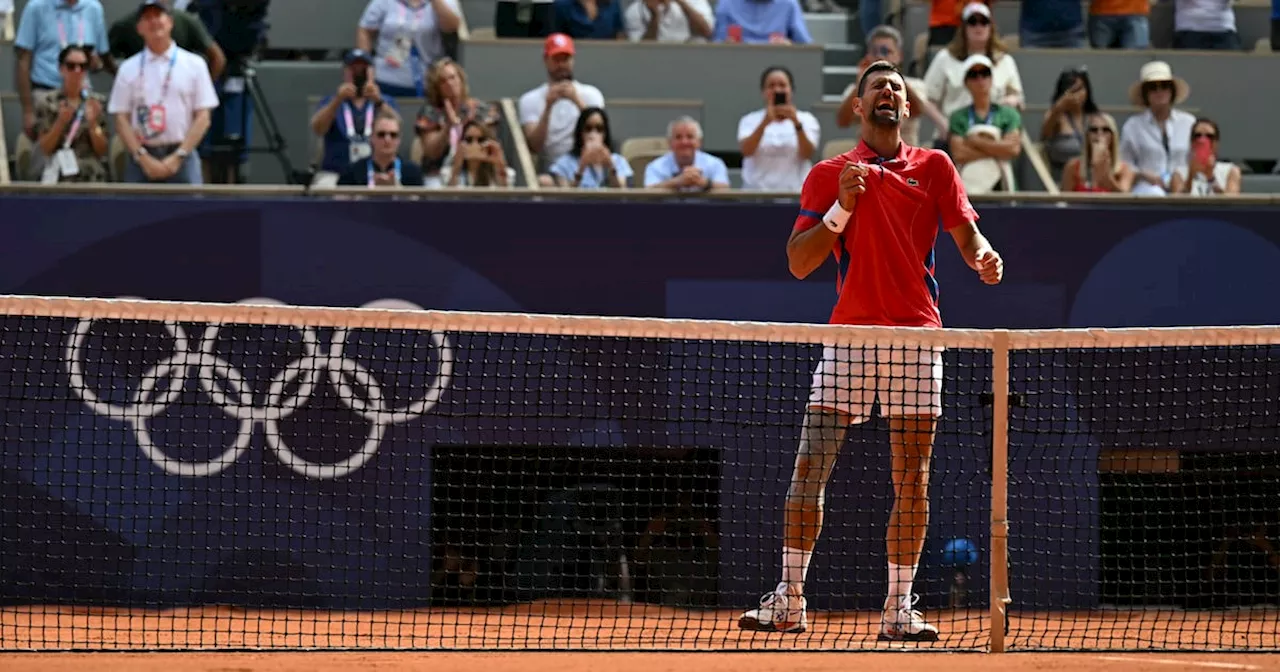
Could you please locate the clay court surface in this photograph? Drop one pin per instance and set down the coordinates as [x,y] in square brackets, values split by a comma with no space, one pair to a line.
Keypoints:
[700,637]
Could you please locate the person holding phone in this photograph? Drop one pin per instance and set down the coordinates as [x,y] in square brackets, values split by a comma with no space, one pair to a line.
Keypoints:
[478,161]
[1099,167]
[345,119]
[1204,174]
[592,163]
[777,142]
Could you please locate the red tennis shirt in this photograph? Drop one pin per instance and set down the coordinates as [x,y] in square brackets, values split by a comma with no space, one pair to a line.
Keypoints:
[885,253]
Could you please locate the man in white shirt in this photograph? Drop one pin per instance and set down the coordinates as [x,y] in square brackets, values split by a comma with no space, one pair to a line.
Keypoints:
[161,102]
[669,20]
[1205,25]
[549,113]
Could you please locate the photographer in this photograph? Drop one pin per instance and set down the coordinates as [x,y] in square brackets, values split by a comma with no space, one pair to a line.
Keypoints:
[239,27]
[478,161]
[778,141]
[345,119]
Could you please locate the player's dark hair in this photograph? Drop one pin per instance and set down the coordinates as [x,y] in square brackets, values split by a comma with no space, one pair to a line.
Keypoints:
[764,76]
[579,131]
[878,66]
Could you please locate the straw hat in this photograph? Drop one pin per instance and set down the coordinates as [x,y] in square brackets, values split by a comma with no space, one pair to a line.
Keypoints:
[1158,71]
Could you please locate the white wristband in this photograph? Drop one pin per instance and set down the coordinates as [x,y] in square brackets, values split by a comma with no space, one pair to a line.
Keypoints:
[836,218]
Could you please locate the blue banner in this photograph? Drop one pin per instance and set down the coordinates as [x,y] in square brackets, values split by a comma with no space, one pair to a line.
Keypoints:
[175,464]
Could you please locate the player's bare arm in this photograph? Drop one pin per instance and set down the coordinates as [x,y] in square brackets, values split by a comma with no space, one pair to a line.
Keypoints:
[978,253]
[808,249]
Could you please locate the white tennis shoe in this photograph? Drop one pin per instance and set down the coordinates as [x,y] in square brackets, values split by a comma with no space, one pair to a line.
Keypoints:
[902,623]
[783,610]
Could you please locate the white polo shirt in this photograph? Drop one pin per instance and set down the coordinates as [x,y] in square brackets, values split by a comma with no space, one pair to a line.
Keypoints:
[141,83]
[776,165]
[564,117]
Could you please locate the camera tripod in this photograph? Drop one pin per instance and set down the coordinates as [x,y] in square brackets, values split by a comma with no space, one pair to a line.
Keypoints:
[226,152]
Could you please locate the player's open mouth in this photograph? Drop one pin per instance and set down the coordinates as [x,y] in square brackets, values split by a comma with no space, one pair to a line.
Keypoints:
[886,105]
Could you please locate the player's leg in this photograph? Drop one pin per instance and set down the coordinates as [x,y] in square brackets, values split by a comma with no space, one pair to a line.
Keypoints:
[913,404]
[841,395]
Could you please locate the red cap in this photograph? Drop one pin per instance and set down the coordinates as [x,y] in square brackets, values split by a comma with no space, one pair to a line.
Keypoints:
[557,43]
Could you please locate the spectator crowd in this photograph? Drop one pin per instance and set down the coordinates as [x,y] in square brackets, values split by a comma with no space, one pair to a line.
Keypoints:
[173,83]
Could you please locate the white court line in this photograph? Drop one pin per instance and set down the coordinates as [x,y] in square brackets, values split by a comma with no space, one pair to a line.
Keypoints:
[1172,661]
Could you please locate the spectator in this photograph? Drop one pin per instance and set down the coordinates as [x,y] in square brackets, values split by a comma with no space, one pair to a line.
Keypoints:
[884,43]
[592,163]
[161,103]
[383,168]
[188,32]
[524,18]
[669,20]
[1120,24]
[479,162]
[71,125]
[549,113]
[1052,24]
[1209,176]
[348,137]
[945,19]
[686,167]
[777,142]
[1063,131]
[408,38]
[761,22]
[1156,142]
[1099,167]
[985,134]
[1204,25]
[44,30]
[449,105]
[590,19]
[944,80]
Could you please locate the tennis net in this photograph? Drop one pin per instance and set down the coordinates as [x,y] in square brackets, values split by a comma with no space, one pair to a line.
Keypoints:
[194,476]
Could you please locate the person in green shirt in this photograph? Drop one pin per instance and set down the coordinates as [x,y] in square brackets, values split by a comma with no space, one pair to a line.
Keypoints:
[968,147]
[188,32]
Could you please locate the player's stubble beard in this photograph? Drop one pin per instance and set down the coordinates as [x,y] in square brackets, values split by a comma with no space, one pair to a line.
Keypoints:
[885,118]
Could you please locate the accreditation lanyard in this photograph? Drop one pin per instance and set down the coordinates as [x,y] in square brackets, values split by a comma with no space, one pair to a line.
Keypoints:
[142,76]
[397,169]
[410,30]
[62,31]
[348,116]
[973,115]
[75,123]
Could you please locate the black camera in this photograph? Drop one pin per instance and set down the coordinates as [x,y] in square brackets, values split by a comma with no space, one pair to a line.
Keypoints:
[238,26]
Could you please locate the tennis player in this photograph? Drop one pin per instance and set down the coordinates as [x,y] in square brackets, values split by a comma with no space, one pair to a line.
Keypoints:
[877,209]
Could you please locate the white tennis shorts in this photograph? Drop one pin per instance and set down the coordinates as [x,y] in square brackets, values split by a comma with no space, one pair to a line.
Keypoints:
[906,381]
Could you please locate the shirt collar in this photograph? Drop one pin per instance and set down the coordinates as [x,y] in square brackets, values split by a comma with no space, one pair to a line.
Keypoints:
[63,6]
[865,154]
[168,54]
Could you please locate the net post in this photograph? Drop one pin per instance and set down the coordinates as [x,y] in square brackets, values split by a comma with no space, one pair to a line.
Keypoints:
[999,488]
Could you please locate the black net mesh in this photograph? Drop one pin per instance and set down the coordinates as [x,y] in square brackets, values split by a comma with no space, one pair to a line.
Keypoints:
[180,485]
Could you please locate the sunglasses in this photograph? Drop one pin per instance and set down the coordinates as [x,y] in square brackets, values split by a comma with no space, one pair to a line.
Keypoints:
[1158,86]
[387,134]
[473,139]
[75,66]
[977,74]
[1099,129]
[978,21]
[593,127]
[1197,136]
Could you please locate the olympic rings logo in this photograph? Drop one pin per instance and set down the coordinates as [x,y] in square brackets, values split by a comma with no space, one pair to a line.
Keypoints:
[288,391]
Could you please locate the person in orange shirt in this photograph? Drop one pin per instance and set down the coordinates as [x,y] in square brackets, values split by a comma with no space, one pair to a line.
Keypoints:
[944,19]
[1119,24]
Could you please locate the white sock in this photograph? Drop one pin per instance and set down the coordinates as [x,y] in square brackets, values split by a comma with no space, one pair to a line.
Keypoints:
[795,565]
[900,579]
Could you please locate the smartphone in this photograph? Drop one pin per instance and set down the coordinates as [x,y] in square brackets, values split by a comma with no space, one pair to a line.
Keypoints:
[779,98]
[1203,150]
[360,80]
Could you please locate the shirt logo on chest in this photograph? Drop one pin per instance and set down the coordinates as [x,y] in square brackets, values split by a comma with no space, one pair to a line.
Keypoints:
[913,181]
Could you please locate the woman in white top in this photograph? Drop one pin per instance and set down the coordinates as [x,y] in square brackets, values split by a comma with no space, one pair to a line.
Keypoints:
[1209,176]
[777,142]
[944,80]
[407,34]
